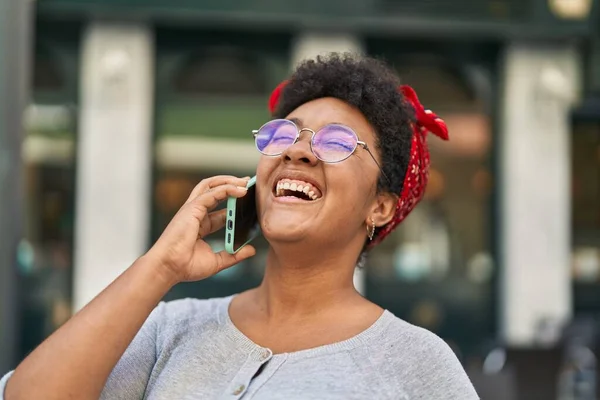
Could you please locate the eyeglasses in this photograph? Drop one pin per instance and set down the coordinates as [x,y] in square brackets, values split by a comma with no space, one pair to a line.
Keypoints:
[332,143]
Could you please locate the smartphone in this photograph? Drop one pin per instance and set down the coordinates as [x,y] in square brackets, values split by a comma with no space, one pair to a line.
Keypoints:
[242,220]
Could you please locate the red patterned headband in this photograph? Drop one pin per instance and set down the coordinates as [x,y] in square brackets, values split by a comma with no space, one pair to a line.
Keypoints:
[417,173]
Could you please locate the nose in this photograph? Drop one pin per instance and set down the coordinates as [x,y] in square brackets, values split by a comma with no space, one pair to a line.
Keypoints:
[301,151]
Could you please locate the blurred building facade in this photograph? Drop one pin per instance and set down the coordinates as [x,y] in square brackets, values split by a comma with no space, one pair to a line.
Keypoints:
[132,103]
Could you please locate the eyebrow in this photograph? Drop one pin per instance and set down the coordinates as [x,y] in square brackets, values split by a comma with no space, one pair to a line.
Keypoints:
[297,121]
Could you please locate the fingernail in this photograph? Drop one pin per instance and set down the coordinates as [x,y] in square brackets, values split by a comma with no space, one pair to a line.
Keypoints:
[243,187]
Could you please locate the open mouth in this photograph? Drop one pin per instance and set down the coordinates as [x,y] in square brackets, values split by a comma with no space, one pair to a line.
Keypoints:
[298,189]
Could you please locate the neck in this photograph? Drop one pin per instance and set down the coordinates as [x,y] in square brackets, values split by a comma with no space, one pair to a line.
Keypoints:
[299,286]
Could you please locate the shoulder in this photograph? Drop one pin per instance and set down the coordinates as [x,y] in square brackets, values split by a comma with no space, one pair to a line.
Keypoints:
[189,314]
[422,363]
[403,337]
[193,308]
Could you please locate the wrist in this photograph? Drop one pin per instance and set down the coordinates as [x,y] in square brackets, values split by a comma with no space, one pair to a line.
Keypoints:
[161,271]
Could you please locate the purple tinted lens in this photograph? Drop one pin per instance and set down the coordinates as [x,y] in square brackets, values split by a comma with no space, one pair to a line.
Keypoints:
[334,143]
[276,136]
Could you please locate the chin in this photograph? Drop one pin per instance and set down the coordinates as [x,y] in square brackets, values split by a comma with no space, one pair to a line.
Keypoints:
[281,229]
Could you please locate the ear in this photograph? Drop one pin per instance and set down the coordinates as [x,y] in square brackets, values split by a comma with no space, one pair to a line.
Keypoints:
[383,209]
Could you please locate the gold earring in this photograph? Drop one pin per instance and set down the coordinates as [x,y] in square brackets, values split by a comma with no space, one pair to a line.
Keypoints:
[371,229]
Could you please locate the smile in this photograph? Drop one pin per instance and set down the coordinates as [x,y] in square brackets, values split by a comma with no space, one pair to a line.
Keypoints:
[297,189]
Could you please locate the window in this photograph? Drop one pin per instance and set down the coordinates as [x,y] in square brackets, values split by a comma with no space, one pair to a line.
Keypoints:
[45,254]
[585,272]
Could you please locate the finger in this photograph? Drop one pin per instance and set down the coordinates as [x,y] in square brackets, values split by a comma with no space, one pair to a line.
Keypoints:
[216,221]
[209,200]
[225,260]
[210,183]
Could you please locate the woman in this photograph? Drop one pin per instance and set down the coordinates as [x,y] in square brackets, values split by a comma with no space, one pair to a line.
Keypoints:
[357,142]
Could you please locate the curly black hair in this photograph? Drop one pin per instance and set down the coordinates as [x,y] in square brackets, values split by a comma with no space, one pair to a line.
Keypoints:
[372,87]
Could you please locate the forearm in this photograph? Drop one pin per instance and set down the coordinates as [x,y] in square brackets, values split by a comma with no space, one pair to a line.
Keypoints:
[75,362]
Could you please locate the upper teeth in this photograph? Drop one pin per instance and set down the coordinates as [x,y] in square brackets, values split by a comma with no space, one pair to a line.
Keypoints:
[297,186]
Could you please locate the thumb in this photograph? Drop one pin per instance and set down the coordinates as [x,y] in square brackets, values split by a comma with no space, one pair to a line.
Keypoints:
[226,260]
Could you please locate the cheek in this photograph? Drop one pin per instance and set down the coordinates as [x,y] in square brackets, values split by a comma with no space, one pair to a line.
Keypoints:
[266,165]
[264,169]
[354,189]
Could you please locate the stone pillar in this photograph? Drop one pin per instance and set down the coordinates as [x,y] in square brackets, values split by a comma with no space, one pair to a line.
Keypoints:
[540,84]
[114,160]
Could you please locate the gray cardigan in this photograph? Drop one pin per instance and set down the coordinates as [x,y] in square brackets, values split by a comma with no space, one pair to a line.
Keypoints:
[190,349]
